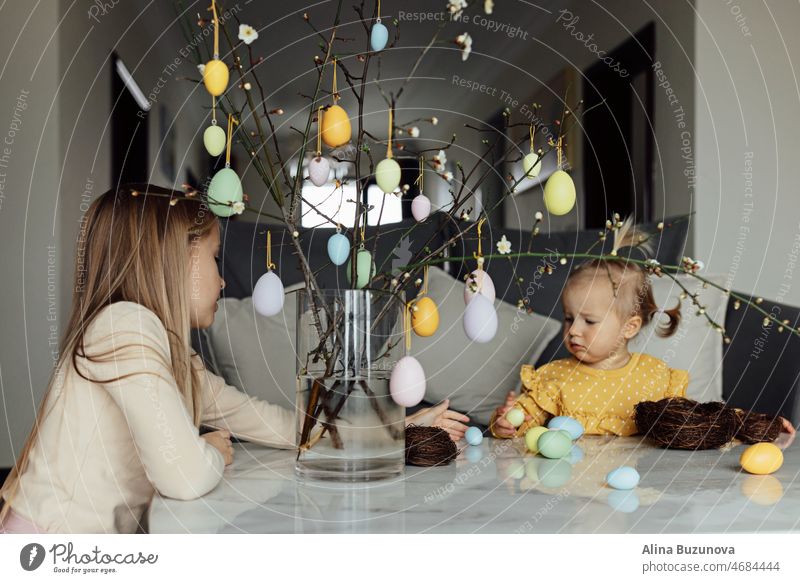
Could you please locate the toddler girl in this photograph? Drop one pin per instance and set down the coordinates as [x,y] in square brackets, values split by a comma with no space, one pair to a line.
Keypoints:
[605,303]
[120,418]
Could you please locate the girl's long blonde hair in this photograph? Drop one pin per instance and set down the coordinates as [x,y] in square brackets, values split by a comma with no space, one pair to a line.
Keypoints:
[133,245]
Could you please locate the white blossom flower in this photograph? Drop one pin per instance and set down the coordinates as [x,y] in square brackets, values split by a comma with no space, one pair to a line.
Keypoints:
[414,132]
[247,33]
[440,159]
[448,176]
[238,207]
[504,246]
[456,7]
[699,265]
[434,120]
[538,216]
[202,68]
[464,41]
[488,6]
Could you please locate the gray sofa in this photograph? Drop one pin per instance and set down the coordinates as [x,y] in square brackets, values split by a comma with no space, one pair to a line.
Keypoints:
[761,366]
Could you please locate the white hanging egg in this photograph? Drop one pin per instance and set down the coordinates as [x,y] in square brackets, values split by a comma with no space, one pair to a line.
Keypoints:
[480,320]
[338,248]
[559,193]
[225,188]
[214,140]
[379,36]
[484,283]
[268,294]
[421,207]
[318,170]
[407,382]
[532,165]
[387,175]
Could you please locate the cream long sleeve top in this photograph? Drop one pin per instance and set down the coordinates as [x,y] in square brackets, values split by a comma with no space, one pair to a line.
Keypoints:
[104,449]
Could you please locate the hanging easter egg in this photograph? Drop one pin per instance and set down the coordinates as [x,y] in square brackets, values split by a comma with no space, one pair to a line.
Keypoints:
[554,444]
[225,188]
[532,438]
[425,317]
[336,129]
[623,478]
[515,416]
[421,207]
[318,170]
[268,294]
[407,382]
[379,36]
[387,175]
[559,193]
[365,268]
[762,458]
[480,320]
[474,436]
[214,140]
[215,77]
[572,426]
[479,282]
[338,248]
[532,165]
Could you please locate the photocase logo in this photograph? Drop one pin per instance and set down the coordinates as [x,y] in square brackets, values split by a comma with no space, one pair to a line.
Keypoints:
[402,255]
[31,556]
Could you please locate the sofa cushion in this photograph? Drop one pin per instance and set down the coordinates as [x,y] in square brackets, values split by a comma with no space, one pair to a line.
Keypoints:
[476,377]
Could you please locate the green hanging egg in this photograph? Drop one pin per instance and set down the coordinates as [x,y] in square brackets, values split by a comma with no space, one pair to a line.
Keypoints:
[214,140]
[225,188]
[532,165]
[559,193]
[387,175]
[365,268]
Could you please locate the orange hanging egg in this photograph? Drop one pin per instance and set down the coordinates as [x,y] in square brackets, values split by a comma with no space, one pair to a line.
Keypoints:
[425,317]
[336,129]
[215,77]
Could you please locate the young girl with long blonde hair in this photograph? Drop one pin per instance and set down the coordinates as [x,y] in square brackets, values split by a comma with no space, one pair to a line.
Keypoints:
[121,415]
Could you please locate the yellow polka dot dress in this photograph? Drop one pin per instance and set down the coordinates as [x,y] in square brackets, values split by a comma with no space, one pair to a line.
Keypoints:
[602,400]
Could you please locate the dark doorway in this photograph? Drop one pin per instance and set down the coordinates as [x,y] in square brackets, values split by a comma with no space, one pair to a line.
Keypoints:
[129,135]
[619,134]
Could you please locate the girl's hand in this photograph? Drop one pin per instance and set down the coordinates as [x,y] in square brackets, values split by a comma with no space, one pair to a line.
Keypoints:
[787,426]
[222,441]
[441,416]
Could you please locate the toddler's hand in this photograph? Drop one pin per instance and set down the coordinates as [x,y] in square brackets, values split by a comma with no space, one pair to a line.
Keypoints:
[501,426]
[222,441]
[787,426]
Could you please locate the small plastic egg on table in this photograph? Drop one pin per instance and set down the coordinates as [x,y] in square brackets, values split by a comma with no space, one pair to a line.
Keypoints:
[554,444]
[515,416]
[474,436]
[762,458]
[623,478]
[532,438]
[573,426]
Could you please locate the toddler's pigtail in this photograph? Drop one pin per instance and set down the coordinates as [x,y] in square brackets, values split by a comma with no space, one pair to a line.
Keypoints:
[667,329]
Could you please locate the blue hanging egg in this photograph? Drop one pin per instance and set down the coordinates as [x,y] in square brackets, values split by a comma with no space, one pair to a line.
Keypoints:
[338,248]
[379,36]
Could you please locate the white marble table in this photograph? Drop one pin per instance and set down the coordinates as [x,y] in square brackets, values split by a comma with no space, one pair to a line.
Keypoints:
[496,487]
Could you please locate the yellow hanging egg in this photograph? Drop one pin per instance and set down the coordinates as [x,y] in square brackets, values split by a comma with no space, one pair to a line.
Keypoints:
[387,175]
[214,140]
[425,317]
[762,458]
[215,77]
[336,130]
[559,193]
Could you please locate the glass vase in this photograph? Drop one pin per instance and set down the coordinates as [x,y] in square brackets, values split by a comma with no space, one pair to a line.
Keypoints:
[348,426]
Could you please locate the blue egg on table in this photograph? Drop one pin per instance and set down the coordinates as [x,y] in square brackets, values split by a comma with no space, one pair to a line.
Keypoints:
[474,436]
[623,478]
[573,426]
[379,37]
[338,248]
[626,501]
[554,473]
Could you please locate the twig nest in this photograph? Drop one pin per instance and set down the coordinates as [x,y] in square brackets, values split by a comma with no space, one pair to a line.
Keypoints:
[429,446]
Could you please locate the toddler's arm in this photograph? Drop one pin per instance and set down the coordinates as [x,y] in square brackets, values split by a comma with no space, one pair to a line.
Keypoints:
[534,415]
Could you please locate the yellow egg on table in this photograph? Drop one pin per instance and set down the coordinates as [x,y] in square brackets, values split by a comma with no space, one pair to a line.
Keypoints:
[559,193]
[532,438]
[336,128]
[215,77]
[762,458]
[425,318]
